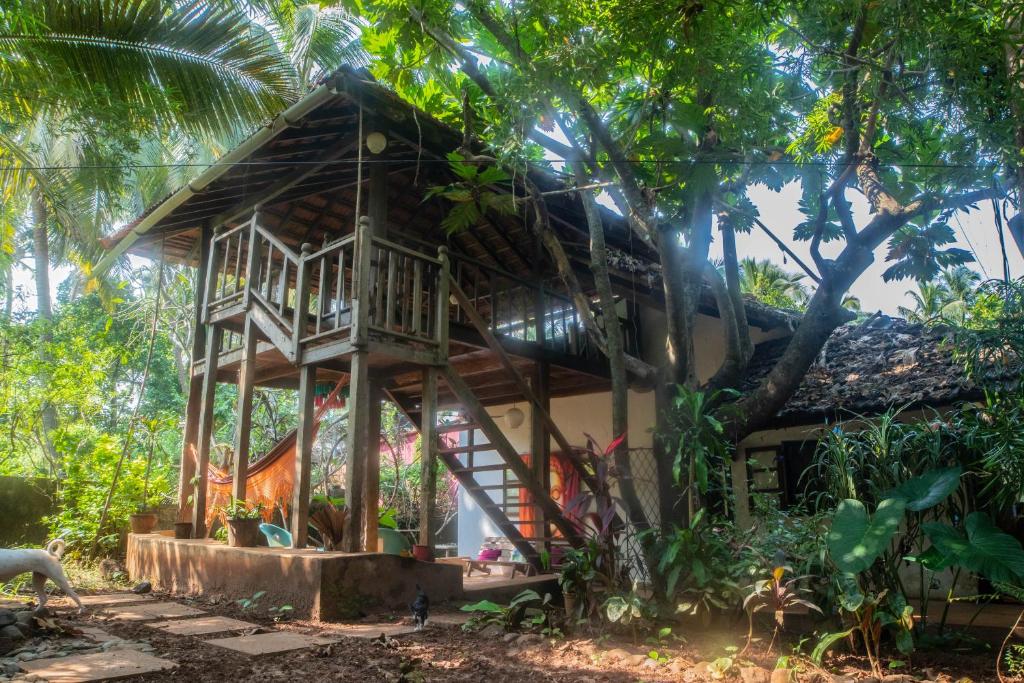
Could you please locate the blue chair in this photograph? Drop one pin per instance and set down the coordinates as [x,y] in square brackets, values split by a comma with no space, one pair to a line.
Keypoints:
[276,536]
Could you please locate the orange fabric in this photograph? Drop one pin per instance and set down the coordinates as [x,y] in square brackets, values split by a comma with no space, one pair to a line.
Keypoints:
[565,485]
[270,479]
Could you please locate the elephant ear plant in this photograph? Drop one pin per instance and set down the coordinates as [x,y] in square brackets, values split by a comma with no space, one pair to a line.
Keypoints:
[856,540]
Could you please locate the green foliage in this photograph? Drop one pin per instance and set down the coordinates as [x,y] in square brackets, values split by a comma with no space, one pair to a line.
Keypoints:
[984,549]
[526,609]
[241,509]
[855,541]
[1014,658]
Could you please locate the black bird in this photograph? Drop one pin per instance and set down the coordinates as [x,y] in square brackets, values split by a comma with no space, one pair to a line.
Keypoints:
[420,608]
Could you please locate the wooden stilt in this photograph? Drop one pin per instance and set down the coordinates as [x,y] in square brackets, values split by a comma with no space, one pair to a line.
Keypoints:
[357,442]
[428,456]
[208,394]
[190,437]
[540,446]
[371,473]
[246,375]
[303,457]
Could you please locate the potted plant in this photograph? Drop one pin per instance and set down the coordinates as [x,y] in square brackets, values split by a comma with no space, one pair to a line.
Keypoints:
[575,574]
[243,523]
[143,520]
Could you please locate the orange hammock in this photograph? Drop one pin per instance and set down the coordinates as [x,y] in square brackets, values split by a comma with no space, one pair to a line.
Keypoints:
[270,478]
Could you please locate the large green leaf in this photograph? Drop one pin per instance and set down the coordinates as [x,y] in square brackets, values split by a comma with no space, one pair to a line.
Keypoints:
[929,489]
[985,550]
[855,540]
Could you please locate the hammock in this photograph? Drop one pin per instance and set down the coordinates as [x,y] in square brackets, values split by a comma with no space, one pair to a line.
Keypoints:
[271,477]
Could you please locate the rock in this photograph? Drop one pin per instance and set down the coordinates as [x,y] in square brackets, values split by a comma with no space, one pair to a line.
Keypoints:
[899,678]
[616,655]
[636,660]
[676,667]
[12,632]
[7,616]
[649,663]
[143,588]
[783,676]
[6,645]
[839,678]
[491,631]
[869,679]
[754,674]
[529,639]
[509,637]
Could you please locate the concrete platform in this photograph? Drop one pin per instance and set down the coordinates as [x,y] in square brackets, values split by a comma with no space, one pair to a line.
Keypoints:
[318,585]
[501,589]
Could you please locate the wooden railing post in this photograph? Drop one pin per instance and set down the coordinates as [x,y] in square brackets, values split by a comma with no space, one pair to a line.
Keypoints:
[252,263]
[443,288]
[301,318]
[361,283]
[210,277]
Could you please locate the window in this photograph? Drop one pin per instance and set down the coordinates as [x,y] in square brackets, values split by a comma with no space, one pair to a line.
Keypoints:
[778,471]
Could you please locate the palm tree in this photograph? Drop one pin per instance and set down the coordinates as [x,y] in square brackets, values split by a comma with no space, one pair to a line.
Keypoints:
[771,284]
[946,300]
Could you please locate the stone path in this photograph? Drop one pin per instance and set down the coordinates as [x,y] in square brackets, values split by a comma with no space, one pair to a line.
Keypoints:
[96,655]
[202,626]
[269,643]
[106,666]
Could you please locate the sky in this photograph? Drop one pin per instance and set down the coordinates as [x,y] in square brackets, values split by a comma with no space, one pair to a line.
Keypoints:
[779,211]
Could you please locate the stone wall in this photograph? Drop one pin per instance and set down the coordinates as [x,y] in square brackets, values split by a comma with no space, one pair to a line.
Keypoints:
[23,504]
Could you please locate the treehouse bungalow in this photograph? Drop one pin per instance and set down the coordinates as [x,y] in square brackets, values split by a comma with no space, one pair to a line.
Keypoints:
[325,267]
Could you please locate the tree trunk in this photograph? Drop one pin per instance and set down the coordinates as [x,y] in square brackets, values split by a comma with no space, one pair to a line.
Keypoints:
[44,307]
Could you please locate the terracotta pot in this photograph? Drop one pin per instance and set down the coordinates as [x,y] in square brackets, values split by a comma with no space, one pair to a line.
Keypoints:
[423,553]
[143,523]
[243,533]
[570,605]
[183,529]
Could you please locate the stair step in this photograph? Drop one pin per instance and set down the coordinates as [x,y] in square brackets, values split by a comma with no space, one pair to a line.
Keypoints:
[452,428]
[481,468]
[475,448]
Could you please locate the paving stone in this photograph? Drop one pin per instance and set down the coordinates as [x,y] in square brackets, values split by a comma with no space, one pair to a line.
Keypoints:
[114,599]
[268,643]
[98,634]
[156,610]
[372,630]
[202,625]
[104,666]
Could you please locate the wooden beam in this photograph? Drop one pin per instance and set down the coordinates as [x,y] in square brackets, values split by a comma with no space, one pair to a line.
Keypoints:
[303,458]
[286,183]
[540,442]
[209,391]
[371,473]
[243,423]
[428,456]
[357,442]
[190,437]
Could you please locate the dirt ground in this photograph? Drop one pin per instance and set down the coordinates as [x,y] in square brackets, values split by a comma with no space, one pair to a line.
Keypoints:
[447,653]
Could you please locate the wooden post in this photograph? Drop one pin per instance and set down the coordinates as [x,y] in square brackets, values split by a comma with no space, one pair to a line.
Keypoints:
[243,424]
[301,319]
[428,456]
[254,261]
[303,457]
[357,441]
[362,261]
[540,445]
[371,471]
[190,437]
[443,289]
[209,391]
[378,204]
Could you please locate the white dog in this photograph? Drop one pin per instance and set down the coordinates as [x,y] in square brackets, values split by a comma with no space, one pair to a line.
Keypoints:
[44,564]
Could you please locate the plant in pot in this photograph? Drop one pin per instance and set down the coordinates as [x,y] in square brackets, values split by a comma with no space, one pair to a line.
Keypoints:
[143,520]
[243,523]
[575,577]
